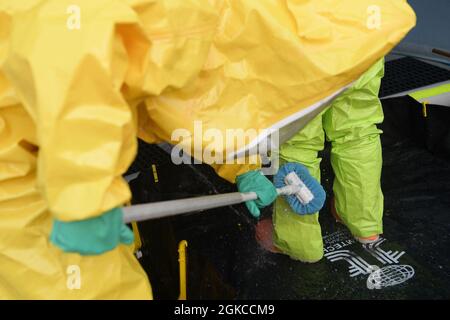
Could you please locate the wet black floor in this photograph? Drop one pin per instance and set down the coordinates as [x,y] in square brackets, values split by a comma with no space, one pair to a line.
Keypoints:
[224,260]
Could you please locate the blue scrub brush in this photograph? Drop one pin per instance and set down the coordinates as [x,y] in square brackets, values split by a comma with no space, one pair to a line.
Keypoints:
[310,196]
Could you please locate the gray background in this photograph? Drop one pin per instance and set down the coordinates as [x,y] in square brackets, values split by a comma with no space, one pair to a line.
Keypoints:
[433,23]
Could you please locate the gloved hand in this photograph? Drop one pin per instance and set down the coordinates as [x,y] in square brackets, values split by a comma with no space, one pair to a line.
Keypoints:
[92,236]
[255,181]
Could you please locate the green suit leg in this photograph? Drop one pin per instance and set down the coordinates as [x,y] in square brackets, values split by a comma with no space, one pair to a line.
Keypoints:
[356,156]
[300,237]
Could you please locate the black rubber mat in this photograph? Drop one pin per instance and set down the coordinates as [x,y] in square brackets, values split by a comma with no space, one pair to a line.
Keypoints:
[147,155]
[408,73]
[411,261]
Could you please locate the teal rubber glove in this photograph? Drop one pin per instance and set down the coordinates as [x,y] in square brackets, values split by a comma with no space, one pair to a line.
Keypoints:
[255,181]
[92,236]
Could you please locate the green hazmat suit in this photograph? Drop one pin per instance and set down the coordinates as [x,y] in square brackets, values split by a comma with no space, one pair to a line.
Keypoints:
[350,124]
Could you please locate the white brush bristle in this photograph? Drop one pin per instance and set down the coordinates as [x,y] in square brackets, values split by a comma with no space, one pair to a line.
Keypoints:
[304,195]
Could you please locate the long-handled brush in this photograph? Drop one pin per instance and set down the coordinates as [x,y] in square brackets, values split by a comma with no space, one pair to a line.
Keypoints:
[304,194]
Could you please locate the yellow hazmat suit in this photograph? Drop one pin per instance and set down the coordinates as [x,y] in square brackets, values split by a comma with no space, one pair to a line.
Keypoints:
[80,79]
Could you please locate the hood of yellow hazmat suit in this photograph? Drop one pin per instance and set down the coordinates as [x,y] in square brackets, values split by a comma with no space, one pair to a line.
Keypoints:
[274,65]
